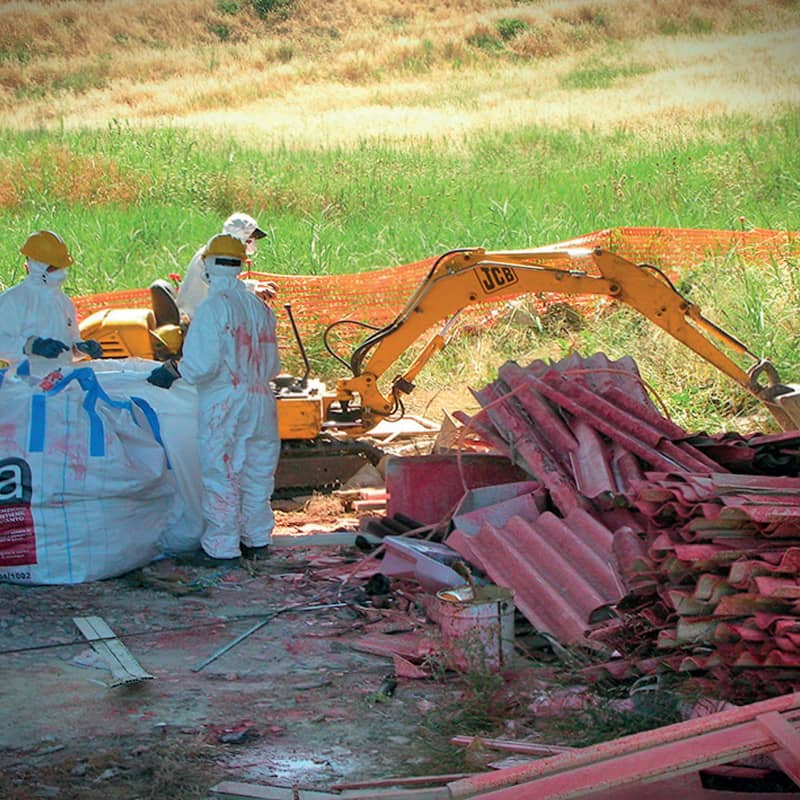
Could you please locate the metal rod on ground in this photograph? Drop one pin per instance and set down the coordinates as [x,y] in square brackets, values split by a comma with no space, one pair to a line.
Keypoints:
[529,748]
[241,637]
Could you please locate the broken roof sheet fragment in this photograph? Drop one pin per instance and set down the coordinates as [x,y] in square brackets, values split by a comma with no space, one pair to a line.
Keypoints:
[496,504]
[414,647]
[561,570]
[591,464]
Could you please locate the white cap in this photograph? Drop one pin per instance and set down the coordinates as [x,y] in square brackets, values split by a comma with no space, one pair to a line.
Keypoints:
[243,227]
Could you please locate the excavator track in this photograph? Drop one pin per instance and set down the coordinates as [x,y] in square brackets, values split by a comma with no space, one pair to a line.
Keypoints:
[321,464]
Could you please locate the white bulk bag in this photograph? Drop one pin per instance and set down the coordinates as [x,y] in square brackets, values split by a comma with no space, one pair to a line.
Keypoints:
[177,415]
[86,491]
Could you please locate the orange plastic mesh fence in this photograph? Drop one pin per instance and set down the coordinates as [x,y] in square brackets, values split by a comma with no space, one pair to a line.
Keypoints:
[377,296]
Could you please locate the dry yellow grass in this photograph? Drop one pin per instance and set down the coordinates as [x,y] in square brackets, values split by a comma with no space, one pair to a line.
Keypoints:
[347,70]
[72,177]
[691,81]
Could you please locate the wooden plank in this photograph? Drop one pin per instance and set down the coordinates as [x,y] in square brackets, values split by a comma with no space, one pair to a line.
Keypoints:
[656,763]
[415,780]
[234,790]
[529,748]
[433,793]
[369,505]
[612,752]
[787,758]
[124,667]
[323,538]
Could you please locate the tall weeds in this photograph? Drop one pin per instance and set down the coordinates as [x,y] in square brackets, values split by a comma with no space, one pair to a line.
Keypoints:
[459,159]
[145,198]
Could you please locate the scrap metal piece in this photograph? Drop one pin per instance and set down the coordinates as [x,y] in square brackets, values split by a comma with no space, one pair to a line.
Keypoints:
[429,563]
[253,628]
[124,667]
[237,790]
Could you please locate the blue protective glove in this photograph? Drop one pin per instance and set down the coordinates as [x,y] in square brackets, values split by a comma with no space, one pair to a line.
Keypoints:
[47,348]
[91,347]
[164,376]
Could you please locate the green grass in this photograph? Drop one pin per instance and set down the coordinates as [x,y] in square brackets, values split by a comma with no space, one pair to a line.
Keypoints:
[134,204]
[602,76]
[693,25]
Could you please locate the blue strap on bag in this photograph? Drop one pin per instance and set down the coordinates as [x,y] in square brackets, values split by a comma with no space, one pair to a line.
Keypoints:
[87,380]
[152,420]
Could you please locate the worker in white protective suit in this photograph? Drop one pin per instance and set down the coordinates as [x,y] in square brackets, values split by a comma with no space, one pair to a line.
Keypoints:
[231,355]
[194,286]
[36,317]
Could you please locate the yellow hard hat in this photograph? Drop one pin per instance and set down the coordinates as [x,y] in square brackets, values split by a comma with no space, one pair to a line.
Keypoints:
[169,340]
[48,248]
[226,246]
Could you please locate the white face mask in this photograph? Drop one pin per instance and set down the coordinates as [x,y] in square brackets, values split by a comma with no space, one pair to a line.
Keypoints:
[213,270]
[56,278]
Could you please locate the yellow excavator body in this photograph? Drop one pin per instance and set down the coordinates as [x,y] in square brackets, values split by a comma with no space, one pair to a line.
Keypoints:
[122,332]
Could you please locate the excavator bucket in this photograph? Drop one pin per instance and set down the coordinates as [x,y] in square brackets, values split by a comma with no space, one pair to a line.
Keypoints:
[786,408]
[782,399]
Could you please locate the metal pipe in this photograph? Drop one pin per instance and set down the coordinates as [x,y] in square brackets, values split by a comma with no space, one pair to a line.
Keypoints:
[288,307]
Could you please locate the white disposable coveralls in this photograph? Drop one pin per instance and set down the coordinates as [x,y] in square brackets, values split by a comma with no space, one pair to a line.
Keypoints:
[193,289]
[194,286]
[36,306]
[231,355]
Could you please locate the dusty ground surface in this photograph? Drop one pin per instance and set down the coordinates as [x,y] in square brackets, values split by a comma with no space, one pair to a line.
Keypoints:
[293,703]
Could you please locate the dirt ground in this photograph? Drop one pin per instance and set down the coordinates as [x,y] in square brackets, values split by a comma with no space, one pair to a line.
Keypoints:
[292,704]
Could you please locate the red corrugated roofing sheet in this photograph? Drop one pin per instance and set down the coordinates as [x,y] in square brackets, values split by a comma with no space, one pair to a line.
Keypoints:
[561,570]
[641,507]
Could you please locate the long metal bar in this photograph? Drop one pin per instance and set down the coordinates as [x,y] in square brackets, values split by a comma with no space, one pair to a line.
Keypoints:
[251,630]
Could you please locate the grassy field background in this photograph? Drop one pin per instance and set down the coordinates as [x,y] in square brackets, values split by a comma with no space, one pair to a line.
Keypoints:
[367,134]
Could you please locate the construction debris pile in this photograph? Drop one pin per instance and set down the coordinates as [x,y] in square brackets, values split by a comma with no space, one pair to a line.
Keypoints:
[677,551]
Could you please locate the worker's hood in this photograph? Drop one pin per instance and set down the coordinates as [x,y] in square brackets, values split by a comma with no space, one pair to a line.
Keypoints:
[39,276]
[217,274]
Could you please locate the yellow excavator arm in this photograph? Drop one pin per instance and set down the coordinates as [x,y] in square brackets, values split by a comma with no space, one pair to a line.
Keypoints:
[467,277]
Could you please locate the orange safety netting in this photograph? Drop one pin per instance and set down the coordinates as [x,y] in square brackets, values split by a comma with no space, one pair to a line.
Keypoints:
[377,296]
